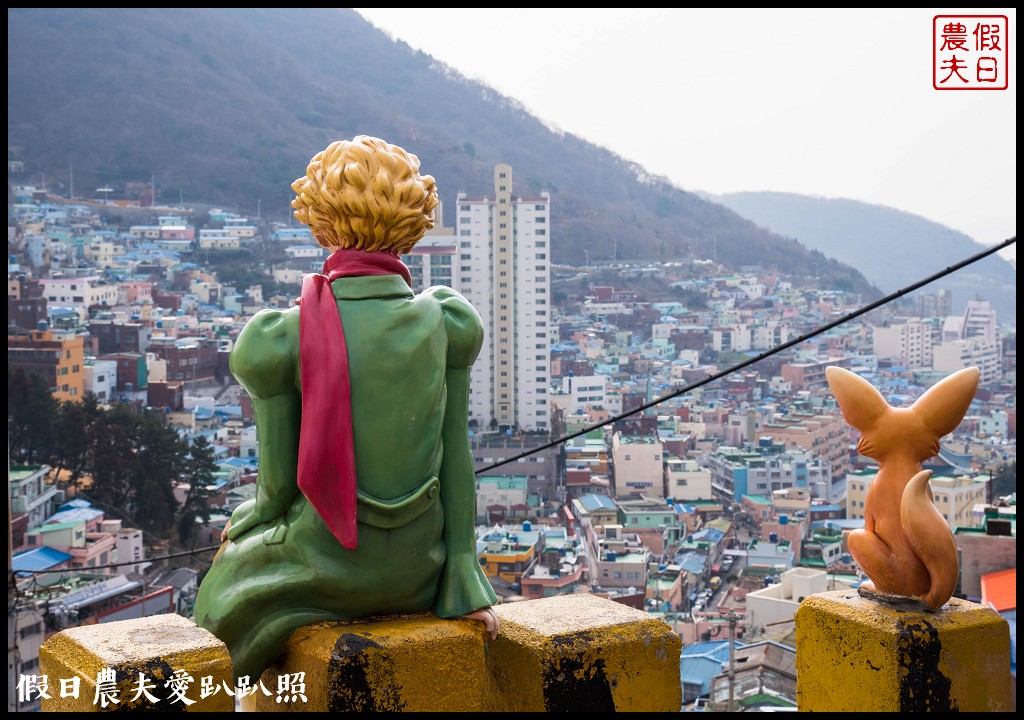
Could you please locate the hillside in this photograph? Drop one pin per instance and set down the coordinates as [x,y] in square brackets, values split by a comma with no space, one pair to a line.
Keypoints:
[227,105]
[890,247]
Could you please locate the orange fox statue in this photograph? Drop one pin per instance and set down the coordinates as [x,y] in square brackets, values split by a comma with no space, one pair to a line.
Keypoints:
[906,547]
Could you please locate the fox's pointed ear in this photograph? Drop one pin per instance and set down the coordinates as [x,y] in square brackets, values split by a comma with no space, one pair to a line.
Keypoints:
[860,402]
[945,403]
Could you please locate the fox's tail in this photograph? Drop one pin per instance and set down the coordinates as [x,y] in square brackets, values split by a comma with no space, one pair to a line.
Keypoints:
[931,538]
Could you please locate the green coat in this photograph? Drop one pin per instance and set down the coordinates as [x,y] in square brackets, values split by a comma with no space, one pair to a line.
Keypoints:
[409,361]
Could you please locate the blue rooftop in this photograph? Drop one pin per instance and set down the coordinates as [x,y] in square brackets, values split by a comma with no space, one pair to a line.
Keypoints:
[75,514]
[239,462]
[710,534]
[76,503]
[37,559]
[598,502]
[691,562]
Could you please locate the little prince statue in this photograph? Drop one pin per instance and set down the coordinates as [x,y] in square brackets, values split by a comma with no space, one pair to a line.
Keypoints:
[365,494]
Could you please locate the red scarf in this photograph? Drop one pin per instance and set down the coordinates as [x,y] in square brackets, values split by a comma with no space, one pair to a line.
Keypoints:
[327,462]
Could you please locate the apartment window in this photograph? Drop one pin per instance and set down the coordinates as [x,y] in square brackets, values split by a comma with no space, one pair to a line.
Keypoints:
[465,232]
[464,208]
[538,207]
[465,256]
[541,243]
[540,231]
[541,256]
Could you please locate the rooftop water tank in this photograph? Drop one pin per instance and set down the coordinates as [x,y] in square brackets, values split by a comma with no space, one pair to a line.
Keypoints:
[783,519]
[527,526]
[772,537]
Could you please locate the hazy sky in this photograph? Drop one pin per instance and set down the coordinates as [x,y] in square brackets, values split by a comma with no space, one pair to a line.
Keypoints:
[836,103]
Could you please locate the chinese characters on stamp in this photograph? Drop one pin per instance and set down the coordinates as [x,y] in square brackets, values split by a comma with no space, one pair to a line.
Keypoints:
[970,52]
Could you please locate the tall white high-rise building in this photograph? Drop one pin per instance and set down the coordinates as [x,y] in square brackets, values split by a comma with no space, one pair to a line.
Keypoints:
[432,260]
[504,269]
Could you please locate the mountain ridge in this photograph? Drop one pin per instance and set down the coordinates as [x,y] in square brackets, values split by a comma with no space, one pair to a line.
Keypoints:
[861,234]
[227,105]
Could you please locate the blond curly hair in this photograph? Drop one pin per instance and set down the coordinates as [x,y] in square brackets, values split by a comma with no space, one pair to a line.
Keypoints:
[365,194]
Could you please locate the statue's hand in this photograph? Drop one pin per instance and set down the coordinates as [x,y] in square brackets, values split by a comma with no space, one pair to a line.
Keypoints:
[245,518]
[489,619]
[224,532]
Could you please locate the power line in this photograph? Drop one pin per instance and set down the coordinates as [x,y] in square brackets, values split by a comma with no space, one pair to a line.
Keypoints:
[750,361]
[140,561]
[682,391]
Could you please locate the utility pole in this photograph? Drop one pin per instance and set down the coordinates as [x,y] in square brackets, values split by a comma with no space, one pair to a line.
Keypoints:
[732,657]
[733,619]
